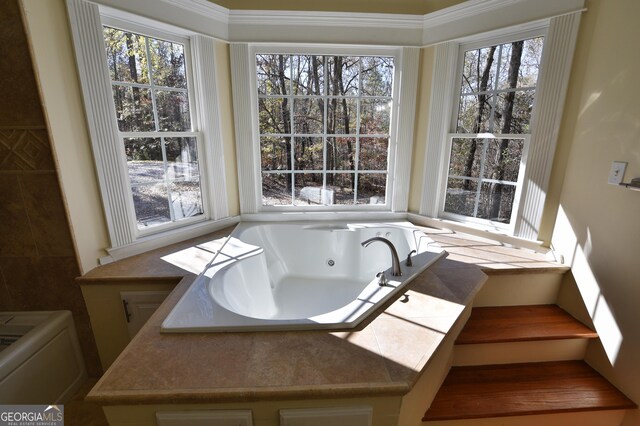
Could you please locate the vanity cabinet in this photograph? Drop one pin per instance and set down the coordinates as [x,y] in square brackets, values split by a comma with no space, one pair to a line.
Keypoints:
[117,310]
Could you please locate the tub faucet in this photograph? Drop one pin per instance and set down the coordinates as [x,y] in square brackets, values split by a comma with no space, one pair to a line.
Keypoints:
[396,272]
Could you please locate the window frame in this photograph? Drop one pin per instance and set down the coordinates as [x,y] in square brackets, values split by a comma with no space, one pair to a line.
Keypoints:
[560,34]
[463,47]
[247,130]
[326,50]
[86,22]
[157,34]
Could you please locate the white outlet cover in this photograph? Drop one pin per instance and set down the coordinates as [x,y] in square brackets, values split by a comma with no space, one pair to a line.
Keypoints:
[617,172]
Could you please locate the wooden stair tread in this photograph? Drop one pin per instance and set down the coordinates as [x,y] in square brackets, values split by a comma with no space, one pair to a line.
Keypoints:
[521,323]
[524,389]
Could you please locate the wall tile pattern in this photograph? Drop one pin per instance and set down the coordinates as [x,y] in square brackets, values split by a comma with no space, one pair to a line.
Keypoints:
[38,263]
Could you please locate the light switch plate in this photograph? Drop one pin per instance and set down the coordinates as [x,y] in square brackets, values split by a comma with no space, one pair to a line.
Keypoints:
[617,172]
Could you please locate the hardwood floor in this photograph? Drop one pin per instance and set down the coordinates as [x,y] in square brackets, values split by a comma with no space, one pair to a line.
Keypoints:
[521,323]
[524,389]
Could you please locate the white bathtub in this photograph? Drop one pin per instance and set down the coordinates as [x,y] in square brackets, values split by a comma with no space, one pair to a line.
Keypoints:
[40,358]
[282,276]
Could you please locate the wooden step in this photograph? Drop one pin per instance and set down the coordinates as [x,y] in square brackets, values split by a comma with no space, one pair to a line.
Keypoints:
[524,389]
[521,323]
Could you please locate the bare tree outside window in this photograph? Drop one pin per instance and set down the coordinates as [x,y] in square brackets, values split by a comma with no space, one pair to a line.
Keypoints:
[150,94]
[497,93]
[324,126]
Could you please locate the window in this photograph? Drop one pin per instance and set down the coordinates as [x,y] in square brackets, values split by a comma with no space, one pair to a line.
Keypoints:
[150,85]
[491,130]
[324,128]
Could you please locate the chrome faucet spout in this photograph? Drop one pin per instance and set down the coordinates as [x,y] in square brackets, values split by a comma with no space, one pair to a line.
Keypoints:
[395,261]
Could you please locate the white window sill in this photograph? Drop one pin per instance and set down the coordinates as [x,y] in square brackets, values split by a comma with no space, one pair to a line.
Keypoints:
[500,236]
[163,239]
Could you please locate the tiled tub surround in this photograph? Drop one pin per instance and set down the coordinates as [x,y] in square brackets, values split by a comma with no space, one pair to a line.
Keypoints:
[383,357]
[38,262]
[295,276]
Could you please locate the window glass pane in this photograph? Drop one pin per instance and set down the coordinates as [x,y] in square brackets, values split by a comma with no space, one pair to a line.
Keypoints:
[342,185]
[342,116]
[520,63]
[126,56]
[307,75]
[182,159]
[275,153]
[372,188]
[343,75]
[330,95]
[376,76]
[341,153]
[503,159]
[466,155]
[151,204]
[530,64]
[308,116]
[308,153]
[144,160]
[309,190]
[168,64]
[276,189]
[173,111]
[461,196]
[373,153]
[274,116]
[513,112]
[134,109]
[375,115]
[496,202]
[474,113]
[274,74]
[186,199]
[479,69]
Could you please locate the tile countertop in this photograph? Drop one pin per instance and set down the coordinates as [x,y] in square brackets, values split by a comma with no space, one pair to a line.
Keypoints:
[381,358]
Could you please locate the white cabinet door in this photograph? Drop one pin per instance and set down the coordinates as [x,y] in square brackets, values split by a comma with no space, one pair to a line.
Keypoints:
[139,306]
[343,416]
[205,418]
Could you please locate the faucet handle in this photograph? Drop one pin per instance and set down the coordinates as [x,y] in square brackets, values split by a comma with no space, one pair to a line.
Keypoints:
[409,262]
[382,279]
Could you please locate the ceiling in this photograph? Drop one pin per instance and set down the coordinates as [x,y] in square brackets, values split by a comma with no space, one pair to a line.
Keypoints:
[417,7]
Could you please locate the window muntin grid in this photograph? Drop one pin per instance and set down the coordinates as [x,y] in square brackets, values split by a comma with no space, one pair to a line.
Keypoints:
[154,118]
[320,132]
[492,122]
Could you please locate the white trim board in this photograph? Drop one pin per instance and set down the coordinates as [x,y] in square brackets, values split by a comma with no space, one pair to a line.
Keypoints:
[461,20]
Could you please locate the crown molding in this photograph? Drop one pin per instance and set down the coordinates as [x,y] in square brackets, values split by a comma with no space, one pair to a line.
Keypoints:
[325,19]
[204,8]
[452,23]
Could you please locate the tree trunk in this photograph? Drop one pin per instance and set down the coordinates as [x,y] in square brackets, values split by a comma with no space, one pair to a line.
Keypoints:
[286,118]
[507,115]
[482,102]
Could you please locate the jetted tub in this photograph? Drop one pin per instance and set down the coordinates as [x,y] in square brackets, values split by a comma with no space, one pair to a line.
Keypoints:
[283,276]
[40,358]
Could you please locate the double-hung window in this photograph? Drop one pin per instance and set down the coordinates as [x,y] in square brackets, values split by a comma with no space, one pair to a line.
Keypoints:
[324,129]
[150,81]
[491,130]
[151,100]
[496,109]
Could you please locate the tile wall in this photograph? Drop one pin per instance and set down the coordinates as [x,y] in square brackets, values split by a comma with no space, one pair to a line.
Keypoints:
[38,264]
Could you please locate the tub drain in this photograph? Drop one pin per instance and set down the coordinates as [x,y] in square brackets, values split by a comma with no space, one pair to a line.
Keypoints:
[331,262]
